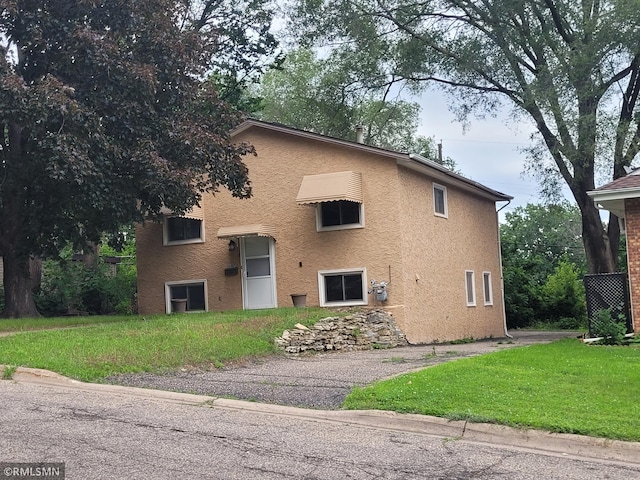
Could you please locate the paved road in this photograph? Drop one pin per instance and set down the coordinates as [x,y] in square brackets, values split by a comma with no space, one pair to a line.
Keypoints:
[323,380]
[105,432]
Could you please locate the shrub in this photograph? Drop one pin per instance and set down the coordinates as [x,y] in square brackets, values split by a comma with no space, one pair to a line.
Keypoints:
[521,298]
[68,284]
[563,297]
[611,330]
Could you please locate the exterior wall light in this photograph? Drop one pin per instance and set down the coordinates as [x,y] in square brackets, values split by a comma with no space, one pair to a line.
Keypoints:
[232,245]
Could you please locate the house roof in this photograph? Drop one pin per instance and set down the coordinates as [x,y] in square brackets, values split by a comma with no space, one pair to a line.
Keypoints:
[612,195]
[409,160]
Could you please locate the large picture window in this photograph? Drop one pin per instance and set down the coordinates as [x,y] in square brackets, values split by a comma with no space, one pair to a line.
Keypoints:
[191,292]
[342,287]
[179,230]
[339,214]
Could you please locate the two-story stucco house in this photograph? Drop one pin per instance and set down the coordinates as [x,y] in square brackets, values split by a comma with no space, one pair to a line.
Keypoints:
[328,217]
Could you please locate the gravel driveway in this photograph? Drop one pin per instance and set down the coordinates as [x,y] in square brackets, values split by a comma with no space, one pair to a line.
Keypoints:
[322,380]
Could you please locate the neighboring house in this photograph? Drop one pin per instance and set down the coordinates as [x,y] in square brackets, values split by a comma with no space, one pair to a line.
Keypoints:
[622,197]
[328,217]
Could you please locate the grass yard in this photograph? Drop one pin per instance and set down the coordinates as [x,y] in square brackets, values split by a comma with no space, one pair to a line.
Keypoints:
[30,324]
[564,386]
[154,343]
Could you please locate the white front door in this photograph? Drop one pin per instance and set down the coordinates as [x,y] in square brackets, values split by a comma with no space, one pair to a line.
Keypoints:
[258,272]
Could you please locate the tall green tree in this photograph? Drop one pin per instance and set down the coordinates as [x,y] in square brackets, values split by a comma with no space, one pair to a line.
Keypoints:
[543,257]
[572,68]
[326,96]
[244,44]
[104,120]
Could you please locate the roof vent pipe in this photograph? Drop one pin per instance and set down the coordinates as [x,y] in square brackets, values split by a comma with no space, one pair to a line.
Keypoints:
[359,134]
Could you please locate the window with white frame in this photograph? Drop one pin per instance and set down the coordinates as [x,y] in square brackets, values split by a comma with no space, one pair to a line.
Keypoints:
[470,288]
[339,215]
[342,287]
[440,207]
[182,230]
[486,287]
[187,295]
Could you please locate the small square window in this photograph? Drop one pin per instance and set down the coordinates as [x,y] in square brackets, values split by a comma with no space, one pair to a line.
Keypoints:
[440,200]
[470,288]
[192,293]
[486,286]
[342,287]
[180,230]
[338,215]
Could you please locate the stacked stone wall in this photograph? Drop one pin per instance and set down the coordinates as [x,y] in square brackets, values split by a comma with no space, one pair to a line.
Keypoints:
[359,331]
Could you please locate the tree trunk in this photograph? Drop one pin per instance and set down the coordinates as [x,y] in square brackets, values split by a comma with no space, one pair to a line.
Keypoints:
[35,273]
[90,255]
[18,288]
[601,257]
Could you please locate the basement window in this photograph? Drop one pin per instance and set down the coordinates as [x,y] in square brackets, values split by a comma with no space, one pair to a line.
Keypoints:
[191,291]
[342,287]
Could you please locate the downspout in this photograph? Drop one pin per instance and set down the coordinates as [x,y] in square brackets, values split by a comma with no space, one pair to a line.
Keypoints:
[504,308]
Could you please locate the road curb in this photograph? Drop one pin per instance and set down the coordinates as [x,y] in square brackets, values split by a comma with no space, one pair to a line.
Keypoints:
[558,444]
[39,376]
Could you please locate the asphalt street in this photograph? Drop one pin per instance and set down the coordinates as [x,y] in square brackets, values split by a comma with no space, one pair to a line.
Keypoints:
[106,432]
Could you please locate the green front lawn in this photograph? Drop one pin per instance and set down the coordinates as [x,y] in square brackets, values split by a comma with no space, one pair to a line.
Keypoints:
[564,386]
[30,324]
[156,343]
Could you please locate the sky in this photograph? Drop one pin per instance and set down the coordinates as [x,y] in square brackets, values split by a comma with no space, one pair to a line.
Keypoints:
[487,152]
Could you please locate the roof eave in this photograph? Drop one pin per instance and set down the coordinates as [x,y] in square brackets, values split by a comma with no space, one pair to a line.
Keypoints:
[413,161]
[423,165]
[614,194]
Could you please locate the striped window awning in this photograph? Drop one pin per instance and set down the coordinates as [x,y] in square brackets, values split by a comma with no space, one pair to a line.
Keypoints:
[330,187]
[260,230]
[196,213]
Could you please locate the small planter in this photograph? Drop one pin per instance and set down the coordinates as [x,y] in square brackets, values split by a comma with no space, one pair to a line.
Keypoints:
[178,305]
[299,300]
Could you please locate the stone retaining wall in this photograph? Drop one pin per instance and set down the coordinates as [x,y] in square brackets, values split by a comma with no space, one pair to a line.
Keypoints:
[359,331]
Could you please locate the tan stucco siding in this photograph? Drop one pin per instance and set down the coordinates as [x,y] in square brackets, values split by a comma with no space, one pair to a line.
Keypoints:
[437,252]
[300,251]
[424,256]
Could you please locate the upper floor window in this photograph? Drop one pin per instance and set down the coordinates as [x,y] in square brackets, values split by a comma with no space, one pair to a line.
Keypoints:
[339,215]
[470,287]
[440,207]
[486,286]
[180,230]
[337,198]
